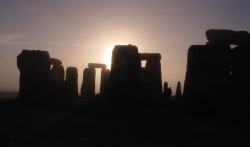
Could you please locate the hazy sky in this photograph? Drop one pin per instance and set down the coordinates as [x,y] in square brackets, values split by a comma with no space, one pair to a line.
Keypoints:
[79,32]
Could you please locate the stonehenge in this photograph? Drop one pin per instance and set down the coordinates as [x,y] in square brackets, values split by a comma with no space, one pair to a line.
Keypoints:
[34,67]
[217,77]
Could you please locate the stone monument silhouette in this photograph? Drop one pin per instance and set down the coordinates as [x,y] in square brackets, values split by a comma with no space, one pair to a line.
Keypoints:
[34,67]
[125,75]
[71,84]
[88,83]
[151,75]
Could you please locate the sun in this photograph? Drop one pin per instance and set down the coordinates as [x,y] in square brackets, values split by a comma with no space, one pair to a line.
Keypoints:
[107,55]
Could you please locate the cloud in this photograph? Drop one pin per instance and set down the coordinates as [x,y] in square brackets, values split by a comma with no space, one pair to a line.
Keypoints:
[6,39]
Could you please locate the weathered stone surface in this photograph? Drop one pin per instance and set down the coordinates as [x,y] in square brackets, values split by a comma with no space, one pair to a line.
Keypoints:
[97,65]
[71,83]
[57,77]
[241,78]
[54,61]
[228,37]
[207,83]
[167,91]
[125,76]
[150,56]
[88,83]
[178,92]
[34,78]
[104,88]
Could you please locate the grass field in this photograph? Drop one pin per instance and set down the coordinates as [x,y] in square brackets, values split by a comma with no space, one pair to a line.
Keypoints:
[120,126]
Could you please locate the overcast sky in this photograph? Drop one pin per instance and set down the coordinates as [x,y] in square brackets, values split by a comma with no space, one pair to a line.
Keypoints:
[79,32]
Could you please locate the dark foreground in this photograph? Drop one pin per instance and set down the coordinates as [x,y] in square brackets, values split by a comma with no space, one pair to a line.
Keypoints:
[40,126]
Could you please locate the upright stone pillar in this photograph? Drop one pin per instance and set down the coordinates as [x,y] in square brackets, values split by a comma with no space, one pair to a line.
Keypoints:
[152,80]
[207,82]
[104,89]
[34,78]
[241,77]
[178,92]
[88,83]
[71,83]
[57,77]
[125,75]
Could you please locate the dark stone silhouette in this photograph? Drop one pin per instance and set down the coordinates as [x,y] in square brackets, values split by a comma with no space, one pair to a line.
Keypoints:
[241,78]
[97,65]
[207,83]
[54,61]
[151,75]
[125,76]
[57,77]
[88,83]
[228,37]
[104,88]
[71,84]
[34,78]
[167,91]
[178,92]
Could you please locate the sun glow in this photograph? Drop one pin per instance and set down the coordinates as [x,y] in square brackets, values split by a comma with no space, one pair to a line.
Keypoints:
[107,55]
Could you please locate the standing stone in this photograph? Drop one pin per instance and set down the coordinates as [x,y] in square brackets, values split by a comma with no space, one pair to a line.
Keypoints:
[207,82]
[88,83]
[34,78]
[125,76]
[71,83]
[104,82]
[151,75]
[241,78]
[178,92]
[153,69]
[57,77]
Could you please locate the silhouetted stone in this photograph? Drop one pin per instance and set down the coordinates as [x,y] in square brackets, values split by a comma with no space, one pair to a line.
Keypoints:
[167,91]
[88,83]
[207,83]
[151,75]
[71,83]
[57,77]
[125,76]
[34,78]
[54,61]
[150,56]
[178,92]
[104,88]
[97,65]
[241,78]
[228,37]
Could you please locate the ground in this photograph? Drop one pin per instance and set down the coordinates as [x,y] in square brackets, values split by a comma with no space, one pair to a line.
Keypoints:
[153,126]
